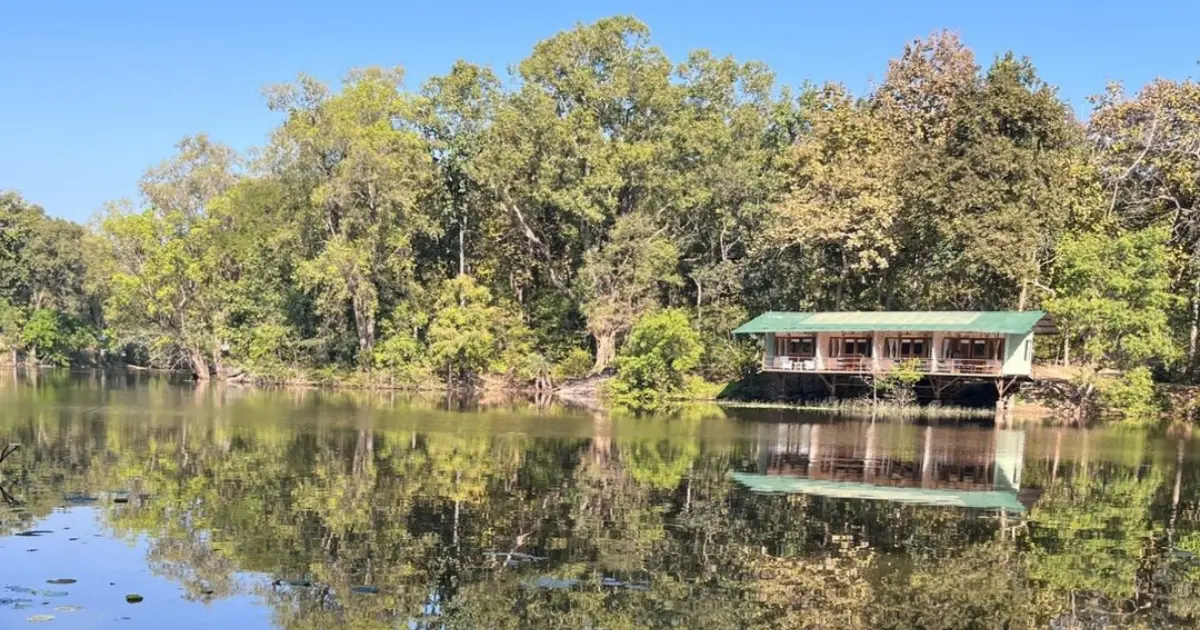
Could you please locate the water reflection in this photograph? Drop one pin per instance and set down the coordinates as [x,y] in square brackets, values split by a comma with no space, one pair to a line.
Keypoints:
[364,511]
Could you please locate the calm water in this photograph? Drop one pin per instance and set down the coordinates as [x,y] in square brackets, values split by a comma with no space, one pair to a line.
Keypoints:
[227,508]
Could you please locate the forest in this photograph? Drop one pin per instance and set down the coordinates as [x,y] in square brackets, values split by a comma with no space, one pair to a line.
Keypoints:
[605,206]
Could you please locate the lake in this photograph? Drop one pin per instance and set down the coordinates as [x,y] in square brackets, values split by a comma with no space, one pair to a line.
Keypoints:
[222,507]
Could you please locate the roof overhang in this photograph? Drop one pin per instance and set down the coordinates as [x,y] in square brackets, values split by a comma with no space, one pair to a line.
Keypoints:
[997,322]
[972,499]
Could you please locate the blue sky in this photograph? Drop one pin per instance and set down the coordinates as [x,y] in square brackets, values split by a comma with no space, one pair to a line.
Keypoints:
[92,93]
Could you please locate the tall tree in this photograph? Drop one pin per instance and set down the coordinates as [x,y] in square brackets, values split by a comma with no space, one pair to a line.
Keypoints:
[166,282]
[1148,150]
[358,169]
[844,205]
[621,280]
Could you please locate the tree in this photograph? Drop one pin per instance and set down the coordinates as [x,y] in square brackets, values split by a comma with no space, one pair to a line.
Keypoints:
[843,207]
[470,332]
[51,337]
[621,281]
[1011,180]
[158,285]
[1145,148]
[1114,294]
[457,111]
[359,169]
[661,349]
[11,323]
[167,273]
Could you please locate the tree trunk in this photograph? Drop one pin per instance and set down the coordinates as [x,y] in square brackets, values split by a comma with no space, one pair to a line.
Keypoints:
[1066,349]
[462,248]
[606,350]
[199,363]
[31,358]
[1194,333]
[1023,298]
[218,363]
[364,323]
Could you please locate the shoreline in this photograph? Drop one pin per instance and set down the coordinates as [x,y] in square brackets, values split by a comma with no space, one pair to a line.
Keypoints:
[584,392]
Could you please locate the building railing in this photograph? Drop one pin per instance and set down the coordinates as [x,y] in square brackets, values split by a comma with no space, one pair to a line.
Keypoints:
[860,365]
[969,366]
[796,364]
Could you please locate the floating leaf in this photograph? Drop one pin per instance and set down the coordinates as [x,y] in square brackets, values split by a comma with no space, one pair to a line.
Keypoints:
[41,618]
[35,532]
[61,581]
[133,598]
[68,609]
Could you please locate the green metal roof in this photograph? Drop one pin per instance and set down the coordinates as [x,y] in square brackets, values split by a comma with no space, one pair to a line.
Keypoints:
[978,499]
[1007,322]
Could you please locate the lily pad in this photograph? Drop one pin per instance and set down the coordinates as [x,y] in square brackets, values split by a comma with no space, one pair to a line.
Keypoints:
[52,593]
[41,618]
[134,598]
[68,609]
[61,581]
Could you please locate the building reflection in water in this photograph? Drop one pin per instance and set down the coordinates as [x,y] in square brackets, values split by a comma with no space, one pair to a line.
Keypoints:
[949,466]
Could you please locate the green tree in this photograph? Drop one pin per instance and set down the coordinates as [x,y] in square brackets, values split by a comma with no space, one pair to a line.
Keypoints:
[167,283]
[1114,294]
[358,169]
[1145,148]
[621,280]
[470,333]
[52,337]
[843,210]
[661,349]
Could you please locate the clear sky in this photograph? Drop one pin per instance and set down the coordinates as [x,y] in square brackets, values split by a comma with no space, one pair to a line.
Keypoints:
[92,93]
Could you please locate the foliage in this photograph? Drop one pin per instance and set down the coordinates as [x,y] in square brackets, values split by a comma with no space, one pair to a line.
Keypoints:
[1115,294]
[898,383]
[602,181]
[577,364]
[621,280]
[52,337]
[1131,398]
[662,348]
[470,333]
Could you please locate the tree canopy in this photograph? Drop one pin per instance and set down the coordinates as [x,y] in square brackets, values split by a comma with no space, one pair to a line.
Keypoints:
[602,181]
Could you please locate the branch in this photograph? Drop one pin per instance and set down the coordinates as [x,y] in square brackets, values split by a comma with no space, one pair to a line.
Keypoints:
[1149,143]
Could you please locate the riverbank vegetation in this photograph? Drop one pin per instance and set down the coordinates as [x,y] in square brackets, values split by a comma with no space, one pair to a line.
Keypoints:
[519,228]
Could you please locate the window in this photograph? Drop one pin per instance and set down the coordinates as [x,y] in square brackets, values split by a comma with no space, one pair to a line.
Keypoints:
[907,347]
[849,347]
[960,348]
[798,347]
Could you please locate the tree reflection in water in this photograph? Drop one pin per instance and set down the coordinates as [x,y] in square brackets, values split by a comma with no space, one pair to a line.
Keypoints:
[377,514]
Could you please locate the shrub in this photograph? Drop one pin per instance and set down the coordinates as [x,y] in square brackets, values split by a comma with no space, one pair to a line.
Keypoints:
[1130,398]
[661,349]
[577,364]
[899,382]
